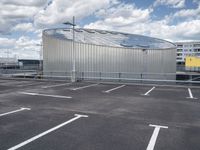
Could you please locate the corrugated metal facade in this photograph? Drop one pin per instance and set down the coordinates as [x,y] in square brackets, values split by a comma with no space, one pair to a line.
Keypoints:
[107,61]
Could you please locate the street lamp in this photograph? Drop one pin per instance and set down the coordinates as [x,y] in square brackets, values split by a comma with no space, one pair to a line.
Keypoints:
[73,77]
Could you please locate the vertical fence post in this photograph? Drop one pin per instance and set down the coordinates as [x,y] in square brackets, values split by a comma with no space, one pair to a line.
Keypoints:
[51,75]
[119,77]
[36,76]
[100,76]
[82,76]
[141,77]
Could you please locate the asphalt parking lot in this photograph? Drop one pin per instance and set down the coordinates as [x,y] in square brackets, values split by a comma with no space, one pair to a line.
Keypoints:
[36,115]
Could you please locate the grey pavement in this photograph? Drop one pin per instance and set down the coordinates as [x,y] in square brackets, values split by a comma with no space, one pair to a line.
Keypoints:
[117,120]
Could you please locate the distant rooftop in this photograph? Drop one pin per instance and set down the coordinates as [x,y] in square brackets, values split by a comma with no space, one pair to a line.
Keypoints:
[110,38]
[187,42]
[8,60]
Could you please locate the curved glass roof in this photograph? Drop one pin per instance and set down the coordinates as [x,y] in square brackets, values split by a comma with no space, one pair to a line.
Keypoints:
[110,38]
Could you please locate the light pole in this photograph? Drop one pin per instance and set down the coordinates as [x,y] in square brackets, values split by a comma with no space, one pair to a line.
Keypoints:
[73,75]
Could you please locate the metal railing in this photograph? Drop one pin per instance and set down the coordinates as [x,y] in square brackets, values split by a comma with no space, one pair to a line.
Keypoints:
[187,69]
[159,78]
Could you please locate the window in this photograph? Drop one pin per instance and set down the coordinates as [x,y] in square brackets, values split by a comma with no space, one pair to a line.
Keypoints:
[196,45]
[179,45]
[179,50]
[179,54]
[186,45]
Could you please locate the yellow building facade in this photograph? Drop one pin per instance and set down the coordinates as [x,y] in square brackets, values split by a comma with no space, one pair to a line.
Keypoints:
[192,61]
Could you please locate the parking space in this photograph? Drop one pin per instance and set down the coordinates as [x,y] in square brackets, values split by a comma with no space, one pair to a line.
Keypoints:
[128,90]
[17,128]
[180,138]
[170,93]
[14,111]
[97,132]
[82,116]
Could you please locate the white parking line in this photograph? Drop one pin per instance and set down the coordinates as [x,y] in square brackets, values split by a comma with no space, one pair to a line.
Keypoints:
[38,94]
[190,94]
[77,116]
[83,87]
[15,111]
[57,85]
[147,93]
[108,91]
[154,136]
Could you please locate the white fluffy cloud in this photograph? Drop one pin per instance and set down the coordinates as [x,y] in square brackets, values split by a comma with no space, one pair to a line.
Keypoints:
[14,11]
[124,15]
[188,13]
[26,47]
[5,42]
[25,27]
[23,47]
[25,42]
[182,31]
[17,12]
[61,10]
[25,2]
[127,18]
[171,3]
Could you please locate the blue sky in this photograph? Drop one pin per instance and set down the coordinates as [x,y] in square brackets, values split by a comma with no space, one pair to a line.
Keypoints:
[22,22]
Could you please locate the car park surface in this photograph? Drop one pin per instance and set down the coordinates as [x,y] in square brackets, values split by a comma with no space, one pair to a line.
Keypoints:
[42,115]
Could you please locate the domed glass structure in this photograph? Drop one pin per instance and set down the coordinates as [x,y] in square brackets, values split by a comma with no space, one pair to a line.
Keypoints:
[110,38]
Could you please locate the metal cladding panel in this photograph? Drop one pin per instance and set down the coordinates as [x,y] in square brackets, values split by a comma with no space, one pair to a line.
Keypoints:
[105,59]
[93,58]
[57,55]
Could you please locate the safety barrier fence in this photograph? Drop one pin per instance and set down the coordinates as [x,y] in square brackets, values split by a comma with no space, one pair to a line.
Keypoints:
[159,78]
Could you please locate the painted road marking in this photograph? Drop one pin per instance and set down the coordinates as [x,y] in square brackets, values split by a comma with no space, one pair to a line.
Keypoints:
[147,93]
[38,94]
[57,85]
[190,94]
[77,116]
[108,91]
[15,111]
[154,136]
[83,87]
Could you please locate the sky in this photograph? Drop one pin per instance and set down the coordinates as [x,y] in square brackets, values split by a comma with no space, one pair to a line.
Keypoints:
[22,22]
